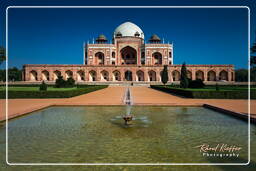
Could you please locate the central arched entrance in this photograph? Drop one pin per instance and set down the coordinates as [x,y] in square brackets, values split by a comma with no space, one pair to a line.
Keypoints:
[128,76]
[129,56]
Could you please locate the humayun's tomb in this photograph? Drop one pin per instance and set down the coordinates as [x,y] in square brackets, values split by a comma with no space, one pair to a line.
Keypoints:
[127,58]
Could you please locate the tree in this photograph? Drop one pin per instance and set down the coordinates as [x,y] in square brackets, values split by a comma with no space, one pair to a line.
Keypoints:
[2,55]
[164,75]
[183,77]
[43,86]
[253,54]
[70,82]
[241,75]
[60,82]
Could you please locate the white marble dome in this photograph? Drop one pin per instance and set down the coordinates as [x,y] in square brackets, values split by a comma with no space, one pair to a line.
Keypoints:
[128,29]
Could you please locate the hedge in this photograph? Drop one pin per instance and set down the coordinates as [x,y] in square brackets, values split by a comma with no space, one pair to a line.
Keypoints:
[50,94]
[223,94]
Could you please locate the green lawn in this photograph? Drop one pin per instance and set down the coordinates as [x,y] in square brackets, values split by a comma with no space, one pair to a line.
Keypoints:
[36,89]
[30,92]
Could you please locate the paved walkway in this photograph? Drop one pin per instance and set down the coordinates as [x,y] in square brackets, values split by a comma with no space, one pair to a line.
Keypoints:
[148,96]
[114,96]
[107,96]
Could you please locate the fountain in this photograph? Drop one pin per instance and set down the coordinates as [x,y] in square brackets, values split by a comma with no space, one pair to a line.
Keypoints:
[128,102]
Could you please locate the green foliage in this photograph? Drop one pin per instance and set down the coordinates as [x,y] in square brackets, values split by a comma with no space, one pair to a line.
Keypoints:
[196,84]
[217,88]
[253,54]
[222,94]
[164,75]
[14,74]
[70,82]
[253,74]
[184,82]
[43,87]
[61,83]
[241,75]
[2,55]
[50,94]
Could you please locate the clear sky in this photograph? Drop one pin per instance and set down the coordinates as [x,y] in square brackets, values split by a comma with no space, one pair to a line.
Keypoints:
[56,36]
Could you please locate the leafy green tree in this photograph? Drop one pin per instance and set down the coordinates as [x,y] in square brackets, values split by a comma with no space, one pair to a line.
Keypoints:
[164,75]
[60,82]
[43,86]
[2,55]
[253,54]
[70,82]
[241,75]
[14,74]
[183,77]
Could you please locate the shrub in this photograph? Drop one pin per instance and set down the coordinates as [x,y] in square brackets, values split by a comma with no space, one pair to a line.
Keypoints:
[60,82]
[164,75]
[50,94]
[217,88]
[235,94]
[184,82]
[70,82]
[43,86]
[196,84]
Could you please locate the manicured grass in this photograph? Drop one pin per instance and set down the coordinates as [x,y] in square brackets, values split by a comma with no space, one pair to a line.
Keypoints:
[210,92]
[31,92]
[36,89]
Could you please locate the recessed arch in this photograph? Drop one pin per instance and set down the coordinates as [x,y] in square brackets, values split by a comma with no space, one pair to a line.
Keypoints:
[116,75]
[176,75]
[211,76]
[80,75]
[152,75]
[99,58]
[128,55]
[157,58]
[140,75]
[33,75]
[69,74]
[104,75]
[189,74]
[45,75]
[92,75]
[200,75]
[128,75]
[223,75]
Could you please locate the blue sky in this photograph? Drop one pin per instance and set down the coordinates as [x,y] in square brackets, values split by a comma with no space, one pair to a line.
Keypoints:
[56,36]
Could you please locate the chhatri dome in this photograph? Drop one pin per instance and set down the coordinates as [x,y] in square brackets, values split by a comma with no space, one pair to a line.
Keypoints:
[128,29]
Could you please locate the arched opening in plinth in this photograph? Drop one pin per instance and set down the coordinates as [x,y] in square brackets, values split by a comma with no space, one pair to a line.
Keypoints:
[116,76]
[45,75]
[80,75]
[211,76]
[152,75]
[56,74]
[128,56]
[33,75]
[99,58]
[157,58]
[176,75]
[69,74]
[104,75]
[128,76]
[140,75]
[92,76]
[200,75]
[223,75]
[189,74]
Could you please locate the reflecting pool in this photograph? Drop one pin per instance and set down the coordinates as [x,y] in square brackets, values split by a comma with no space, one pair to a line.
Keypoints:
[97,134]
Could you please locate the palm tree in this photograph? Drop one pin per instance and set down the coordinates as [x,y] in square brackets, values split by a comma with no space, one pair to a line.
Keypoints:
[2,55]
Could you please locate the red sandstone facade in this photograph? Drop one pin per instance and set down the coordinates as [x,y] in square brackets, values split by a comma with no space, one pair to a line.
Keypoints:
[127,58]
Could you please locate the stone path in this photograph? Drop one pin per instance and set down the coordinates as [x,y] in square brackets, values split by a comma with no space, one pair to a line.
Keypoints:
[113,95]
[107,96]
[148,96]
